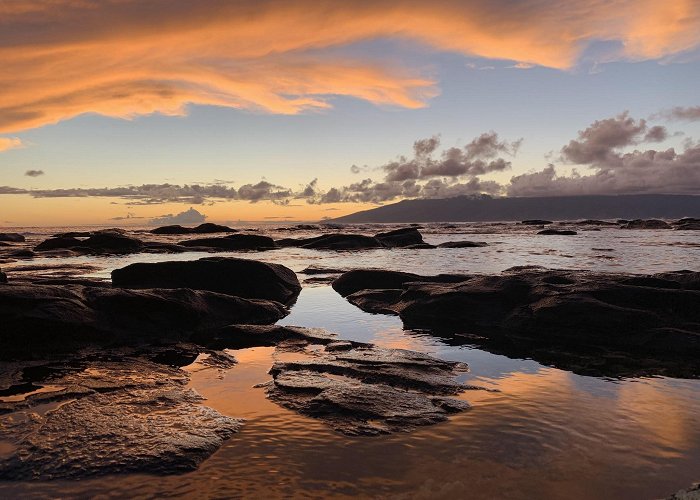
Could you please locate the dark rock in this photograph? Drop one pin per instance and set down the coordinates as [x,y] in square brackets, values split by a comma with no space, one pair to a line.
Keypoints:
[591,222]
[401,237]
[646,224]
[3,277]
[209,227]
[536,222]
[13,237]
[366,390]
[111,242]
[111,417]
[100,242]
[174,229]
[233,242]
[58,242]
[363,279]
[74,234]
[561,232]
[21,254]
[245,336]
[566,318]
[333,242]
[687,224]
[40,319]
[239,277]
[462,244]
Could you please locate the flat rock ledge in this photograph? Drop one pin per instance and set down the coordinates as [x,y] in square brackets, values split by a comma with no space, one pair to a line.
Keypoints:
[594,323]
[94,416]
[364,390]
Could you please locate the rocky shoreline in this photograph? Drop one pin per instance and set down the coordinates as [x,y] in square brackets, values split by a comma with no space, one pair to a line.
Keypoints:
[84,360]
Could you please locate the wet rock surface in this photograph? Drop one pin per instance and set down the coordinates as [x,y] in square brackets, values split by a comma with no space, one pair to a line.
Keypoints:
[592,323]
[231,276]
[106,413]
[367,390]
[40,319]
[361,279]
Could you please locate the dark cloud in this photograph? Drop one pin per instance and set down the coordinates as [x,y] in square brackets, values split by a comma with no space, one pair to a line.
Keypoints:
[597,143]
[657,133]
[34,173]
[691,113]
[264,190]
[478,157]
[190,216]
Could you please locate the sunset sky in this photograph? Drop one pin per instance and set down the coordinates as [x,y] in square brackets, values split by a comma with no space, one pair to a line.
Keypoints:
[124,111]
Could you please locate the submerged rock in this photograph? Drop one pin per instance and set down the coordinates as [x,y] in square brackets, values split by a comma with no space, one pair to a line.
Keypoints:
[240,277]
[13,237]
[108,417]
[463,244]
[652,323]
[367,390]
[40,319]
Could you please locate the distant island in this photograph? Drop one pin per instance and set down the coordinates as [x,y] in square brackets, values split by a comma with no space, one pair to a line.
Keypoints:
[486,208]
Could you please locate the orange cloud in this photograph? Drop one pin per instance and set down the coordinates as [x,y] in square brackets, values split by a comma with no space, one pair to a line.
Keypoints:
[7,143]
[124,58]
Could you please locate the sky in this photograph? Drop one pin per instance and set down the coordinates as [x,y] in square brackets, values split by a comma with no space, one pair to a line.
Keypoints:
[170,111]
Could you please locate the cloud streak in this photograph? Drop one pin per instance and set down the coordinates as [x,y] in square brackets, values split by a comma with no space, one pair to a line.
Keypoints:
[125,58]
[7,143]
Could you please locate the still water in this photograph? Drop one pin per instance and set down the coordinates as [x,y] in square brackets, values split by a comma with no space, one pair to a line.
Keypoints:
[545,432]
